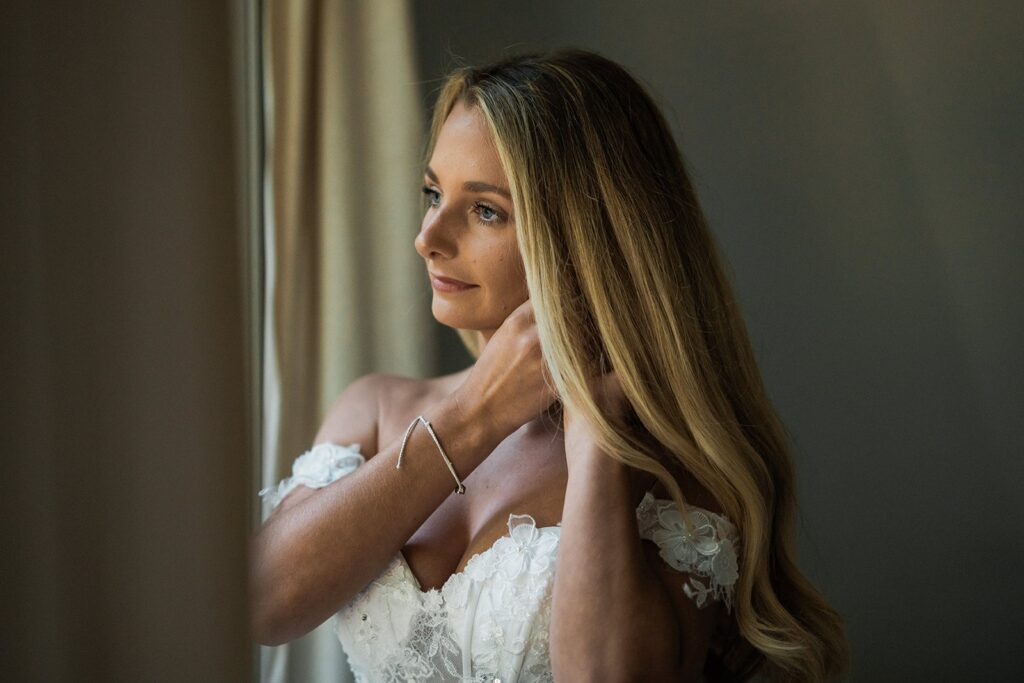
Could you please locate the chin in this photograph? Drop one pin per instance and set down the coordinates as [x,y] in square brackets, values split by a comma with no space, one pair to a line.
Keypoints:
[463,317]
[452,316]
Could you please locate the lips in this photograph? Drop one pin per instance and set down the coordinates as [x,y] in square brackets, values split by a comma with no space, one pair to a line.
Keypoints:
[449,285]
[451,280]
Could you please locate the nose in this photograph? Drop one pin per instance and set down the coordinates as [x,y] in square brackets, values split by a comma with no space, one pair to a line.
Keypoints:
[438,235]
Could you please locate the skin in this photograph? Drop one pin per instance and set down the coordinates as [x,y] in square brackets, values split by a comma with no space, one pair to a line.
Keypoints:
[618,611]
[469,235]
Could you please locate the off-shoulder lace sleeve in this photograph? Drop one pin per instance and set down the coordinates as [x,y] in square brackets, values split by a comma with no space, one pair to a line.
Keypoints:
[708,555]
[316,468]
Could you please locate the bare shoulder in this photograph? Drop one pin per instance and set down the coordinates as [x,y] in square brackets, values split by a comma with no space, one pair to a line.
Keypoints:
[351,419]
[368,409]
[695,625]
[367,413]
[353,416]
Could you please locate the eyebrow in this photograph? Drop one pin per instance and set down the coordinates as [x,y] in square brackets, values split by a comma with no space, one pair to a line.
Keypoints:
[474,185]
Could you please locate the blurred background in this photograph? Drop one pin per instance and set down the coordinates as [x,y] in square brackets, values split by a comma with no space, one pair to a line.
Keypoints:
[208,216]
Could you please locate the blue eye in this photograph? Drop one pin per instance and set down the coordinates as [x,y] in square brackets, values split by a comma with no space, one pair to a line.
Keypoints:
[481,208]
[487,215]
[430,194]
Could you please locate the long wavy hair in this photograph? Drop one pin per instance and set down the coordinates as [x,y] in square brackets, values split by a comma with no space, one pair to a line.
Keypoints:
[623,273]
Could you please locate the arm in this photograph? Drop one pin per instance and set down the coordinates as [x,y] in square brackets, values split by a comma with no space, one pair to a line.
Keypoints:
[351,419]
[619,612]
[611,619]
[322,547]
[314,556]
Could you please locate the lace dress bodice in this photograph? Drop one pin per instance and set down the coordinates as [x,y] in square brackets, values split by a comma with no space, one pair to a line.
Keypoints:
[490,622]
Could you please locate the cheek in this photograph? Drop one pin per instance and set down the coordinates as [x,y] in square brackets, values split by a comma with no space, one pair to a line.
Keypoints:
[509,280]
[506,254]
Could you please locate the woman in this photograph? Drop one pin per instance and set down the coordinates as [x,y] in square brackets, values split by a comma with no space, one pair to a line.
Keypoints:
[614,387]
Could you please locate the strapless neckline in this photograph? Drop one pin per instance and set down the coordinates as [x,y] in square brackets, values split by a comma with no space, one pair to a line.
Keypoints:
[475,557]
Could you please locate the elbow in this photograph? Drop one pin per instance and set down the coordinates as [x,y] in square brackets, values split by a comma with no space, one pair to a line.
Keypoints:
[273,621]
[280,610]
[271,616]
[282,620]
[268,623]
[268,635]
[265,632]
[286,601]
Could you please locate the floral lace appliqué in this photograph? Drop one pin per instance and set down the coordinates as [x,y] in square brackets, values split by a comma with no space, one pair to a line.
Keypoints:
[505,592]
[321,465]
[491,621]
[708,553]
[430,649]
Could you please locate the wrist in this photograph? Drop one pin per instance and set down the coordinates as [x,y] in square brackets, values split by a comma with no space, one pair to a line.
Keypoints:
[583,454]
[478,408]
[473,422]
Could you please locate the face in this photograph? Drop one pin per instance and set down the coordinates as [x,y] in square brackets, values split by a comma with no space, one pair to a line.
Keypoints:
[468,231]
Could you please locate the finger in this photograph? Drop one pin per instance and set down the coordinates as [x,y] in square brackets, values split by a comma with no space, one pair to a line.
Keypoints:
[526,309]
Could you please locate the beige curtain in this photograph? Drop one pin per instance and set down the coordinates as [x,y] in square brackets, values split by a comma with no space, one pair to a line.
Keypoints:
[346,291]
[126,486]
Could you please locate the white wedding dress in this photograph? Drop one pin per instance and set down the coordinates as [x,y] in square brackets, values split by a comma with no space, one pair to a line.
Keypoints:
[490,621]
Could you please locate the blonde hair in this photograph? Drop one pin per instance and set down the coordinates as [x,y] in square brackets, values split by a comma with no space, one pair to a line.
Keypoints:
[623,273]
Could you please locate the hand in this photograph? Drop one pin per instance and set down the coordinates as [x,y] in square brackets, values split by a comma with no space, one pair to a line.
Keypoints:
[509,381]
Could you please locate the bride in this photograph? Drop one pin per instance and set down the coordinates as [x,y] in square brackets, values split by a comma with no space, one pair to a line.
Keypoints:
[606,493]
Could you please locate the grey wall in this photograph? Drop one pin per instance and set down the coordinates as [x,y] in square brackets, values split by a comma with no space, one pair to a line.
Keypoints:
[858,163]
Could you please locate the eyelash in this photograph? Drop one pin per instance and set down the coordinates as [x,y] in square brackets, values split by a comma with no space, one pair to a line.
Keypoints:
[478,207]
